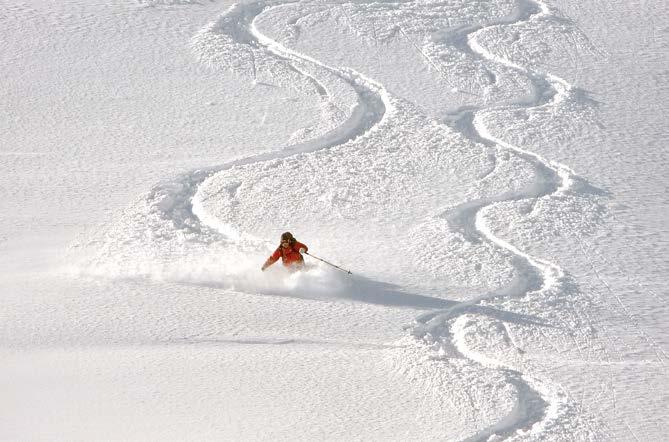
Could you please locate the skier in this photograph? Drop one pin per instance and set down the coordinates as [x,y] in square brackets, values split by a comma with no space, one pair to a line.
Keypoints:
[290,251]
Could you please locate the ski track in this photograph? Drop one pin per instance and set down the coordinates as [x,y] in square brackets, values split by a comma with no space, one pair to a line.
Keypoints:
[183,208]
[540,405]
[469,218]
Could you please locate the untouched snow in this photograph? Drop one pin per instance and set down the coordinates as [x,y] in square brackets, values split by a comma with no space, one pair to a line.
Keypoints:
[493,174]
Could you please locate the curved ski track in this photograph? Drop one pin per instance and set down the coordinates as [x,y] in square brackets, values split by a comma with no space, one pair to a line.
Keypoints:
[469,218]
[237,24]
[540,404]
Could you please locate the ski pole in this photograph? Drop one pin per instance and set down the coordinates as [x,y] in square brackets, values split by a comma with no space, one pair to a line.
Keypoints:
[328,263]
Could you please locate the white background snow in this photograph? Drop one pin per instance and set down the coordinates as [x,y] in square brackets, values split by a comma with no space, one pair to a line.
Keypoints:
[494,174]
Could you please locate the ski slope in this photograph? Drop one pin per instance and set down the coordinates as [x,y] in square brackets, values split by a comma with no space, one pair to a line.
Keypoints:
[491,172]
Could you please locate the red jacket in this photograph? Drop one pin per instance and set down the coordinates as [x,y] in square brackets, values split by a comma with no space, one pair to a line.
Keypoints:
[290,256]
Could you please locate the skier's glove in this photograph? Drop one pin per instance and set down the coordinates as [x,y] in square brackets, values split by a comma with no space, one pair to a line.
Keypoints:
[303,250]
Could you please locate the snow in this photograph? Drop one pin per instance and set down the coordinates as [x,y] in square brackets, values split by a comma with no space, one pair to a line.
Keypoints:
[492,173]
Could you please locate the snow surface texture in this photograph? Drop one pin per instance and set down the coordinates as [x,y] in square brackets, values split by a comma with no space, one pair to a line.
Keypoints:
[432,147]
